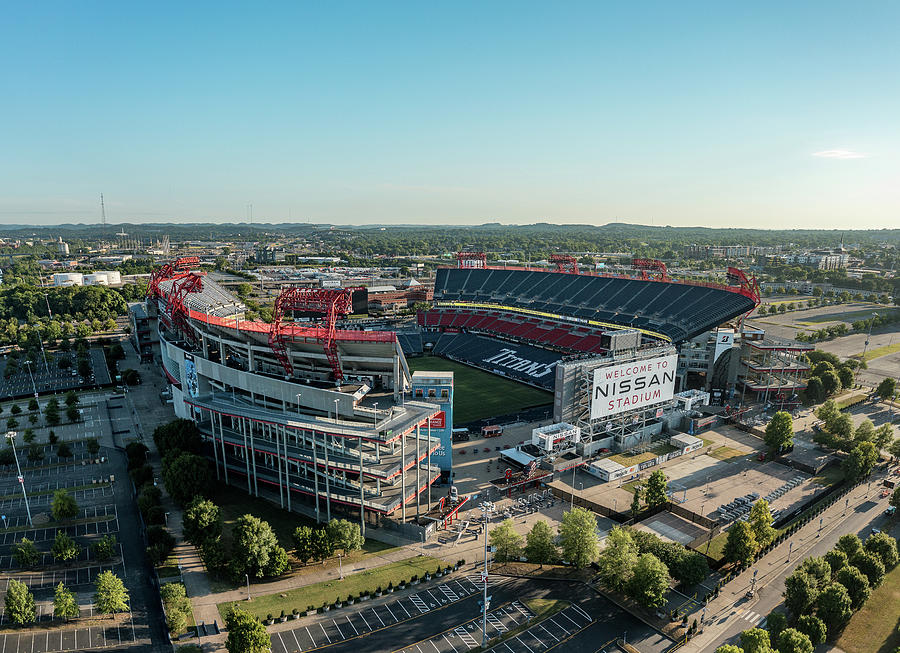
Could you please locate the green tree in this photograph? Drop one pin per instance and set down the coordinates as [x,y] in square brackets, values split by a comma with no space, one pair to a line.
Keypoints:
[303,543]
[836,559]
[110,594]
[25,553]
[756,640]
[883,436]
[636,501]
[775,623]
[800,593]
[857,585]
[741,543]
[186,476]
[104,548]
[64,548]
[322,546]
[812,627]
[177,605]
[19,603]
[93,446]
[886,388]
[72,398]
[870,565]
[65,604]
[72,414]
[657,489]
[842,426]
[831,382]
[729,648]
[885,547]
[793,641]
[539,545]
[649,582]
[64,506]
[578,537]
[845,374]
[860,461]
[865,432]
[833,608]
[618,558]
[254,543]
[760,521]
[849,544]
[894,448]
[507,543]
[818,569]
[345,535]
[815,391]
[246,634]
[201,521]
[780,431]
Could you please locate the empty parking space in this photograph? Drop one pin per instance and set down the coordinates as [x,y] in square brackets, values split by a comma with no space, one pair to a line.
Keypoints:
[548,633]
[468,635]
[338,625]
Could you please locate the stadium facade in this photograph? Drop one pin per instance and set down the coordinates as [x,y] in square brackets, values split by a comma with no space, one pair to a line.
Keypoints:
[316,418]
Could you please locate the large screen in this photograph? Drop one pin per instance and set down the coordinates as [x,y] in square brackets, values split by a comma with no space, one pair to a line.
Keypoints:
[631,385]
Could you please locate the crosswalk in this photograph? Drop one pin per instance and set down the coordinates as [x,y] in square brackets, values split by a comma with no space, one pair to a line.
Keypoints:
[754,618]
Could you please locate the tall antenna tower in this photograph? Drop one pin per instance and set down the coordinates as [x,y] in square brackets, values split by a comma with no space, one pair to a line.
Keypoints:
[102,211]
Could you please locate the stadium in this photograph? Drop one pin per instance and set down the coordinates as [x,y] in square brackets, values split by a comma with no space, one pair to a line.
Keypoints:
[324,418]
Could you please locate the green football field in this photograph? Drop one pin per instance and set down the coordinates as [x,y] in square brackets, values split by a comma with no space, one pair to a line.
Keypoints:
[478,394]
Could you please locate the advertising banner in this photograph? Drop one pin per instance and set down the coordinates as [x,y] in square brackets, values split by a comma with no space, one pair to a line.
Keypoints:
[439,421]
[190,376]
[631,385]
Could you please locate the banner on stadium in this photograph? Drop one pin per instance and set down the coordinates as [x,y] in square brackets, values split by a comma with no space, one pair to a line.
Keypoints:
[631,385]
[439,421]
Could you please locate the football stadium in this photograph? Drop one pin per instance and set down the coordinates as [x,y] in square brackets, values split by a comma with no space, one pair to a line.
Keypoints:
[324,416]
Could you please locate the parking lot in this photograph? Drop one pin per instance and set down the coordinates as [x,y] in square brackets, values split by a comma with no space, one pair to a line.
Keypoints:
[50,377]
[99,487]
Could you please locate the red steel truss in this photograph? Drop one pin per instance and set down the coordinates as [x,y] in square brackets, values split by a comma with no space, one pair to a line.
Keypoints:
[183,282]
[179,268]
[330,302]
[749,288]
[651,269]
[471,260]
[565,263]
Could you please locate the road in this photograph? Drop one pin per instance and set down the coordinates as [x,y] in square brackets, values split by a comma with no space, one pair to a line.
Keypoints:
[732,613]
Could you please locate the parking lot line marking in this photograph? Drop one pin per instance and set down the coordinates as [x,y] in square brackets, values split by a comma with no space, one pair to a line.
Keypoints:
[311,638]
[535,639]
[300,648]
[581,612]
[324,632]
[281,640]
[450,643]
[400,603]
[387,606]
[376,614]
[435,646]
[565,630]
[364,620]
[563,614]
[351,624]
[337,628]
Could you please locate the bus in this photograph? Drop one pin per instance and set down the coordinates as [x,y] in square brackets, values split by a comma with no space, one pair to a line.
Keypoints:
[491,431]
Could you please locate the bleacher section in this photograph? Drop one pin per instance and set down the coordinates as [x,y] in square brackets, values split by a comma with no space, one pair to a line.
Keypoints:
[517,361]
[675,310]
[410,342]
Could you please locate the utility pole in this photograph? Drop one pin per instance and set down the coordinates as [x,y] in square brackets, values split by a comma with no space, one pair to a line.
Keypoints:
[102,211]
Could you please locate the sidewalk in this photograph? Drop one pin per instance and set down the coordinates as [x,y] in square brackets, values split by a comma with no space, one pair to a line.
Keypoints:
[769,568]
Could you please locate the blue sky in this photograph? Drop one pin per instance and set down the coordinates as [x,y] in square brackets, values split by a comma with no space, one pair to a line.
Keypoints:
[718,114]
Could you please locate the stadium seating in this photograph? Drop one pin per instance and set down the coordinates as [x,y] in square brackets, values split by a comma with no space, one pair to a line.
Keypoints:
[677,310]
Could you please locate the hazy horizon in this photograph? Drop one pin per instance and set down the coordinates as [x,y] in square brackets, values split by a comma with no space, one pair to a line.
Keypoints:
[763,116]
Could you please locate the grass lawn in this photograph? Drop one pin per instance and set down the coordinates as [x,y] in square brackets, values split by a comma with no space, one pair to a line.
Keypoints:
[725,453]
[874,628]
[327,592]
[234,502]
[878,352]
[479,394]
[169,568]
[716,546]
[838,316]
[829,476]
[629,459]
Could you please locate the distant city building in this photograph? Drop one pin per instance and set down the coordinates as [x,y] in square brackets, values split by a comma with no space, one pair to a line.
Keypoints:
[61,247]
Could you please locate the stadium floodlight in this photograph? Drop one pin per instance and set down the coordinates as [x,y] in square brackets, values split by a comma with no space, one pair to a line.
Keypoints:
[11,436]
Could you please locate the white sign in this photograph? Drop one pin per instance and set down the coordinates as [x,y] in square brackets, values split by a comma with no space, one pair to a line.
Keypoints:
[724,342]
[636,384]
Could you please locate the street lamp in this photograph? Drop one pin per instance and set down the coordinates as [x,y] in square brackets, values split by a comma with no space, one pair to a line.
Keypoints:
[298,402]
[247,576]
[865,345]
[33,386]
[376,414]
[341,565]
[11,436]
[486,507]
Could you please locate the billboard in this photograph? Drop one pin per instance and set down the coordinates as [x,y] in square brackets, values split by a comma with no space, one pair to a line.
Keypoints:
[636,384]
[724,342]
[190,376]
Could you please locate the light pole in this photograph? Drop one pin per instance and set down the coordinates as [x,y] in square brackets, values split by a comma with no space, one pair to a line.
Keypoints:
[581,492]
[376,415]
[865,345]
[486,507]
[247,577]
[33,386]
[336,410]
[298,402]
[341,565]
[11,436]
[574,467]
